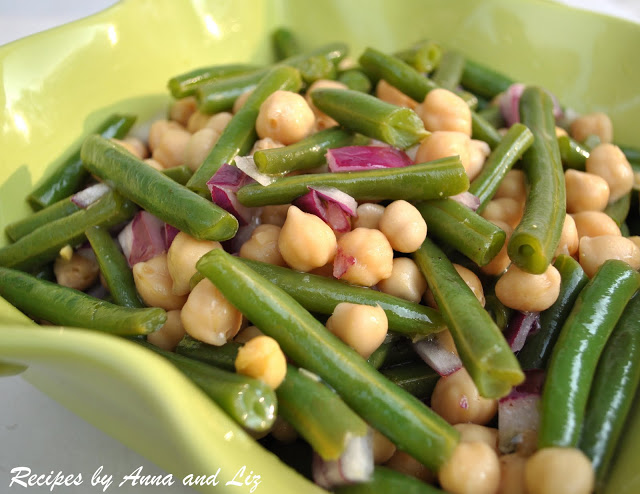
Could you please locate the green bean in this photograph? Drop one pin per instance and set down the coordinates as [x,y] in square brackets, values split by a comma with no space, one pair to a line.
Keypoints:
[576,353]
[239,134]
[303,155]
[114,267]
[510,149]
[285,44]
[412,426]
[500,313]
[573,154]
[416,378]
[449,72]
[464,230]
[482,348]
[398,126]
[180,174]
[44,244]
[435,179]
[388,481]
[423,56]
[320,295]
[70,175]
[535,239]
[482,130]
[223,356]
[618,210]
[591,141]
[64,306]
[355,79]
[316,68]
[60,209]
[380,354]
[614,387]
[186,84]
[45,272]
[537,349]
[632,154]
[318,414]
[248,401]
[157,193]
[484,81]
[493,115]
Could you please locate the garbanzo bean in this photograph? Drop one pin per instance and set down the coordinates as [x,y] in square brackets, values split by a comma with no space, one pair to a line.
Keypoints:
[594,251]
[266,143]
[472,281]
[197,121]
[78,272]
[323,121]
[362,327]
[154,284]
[595,224]
[247,334]
[441,144]
[262,358]
[598,124]
[240,101]
[569,239]
[368,215]
[154,164]
[219,121]
[512,474]
[286,117]
[444,110]
[471,433]
[372,256]
[184,253]
[403,226]
[559,470]
[134,145]
[208,316]
[457,400]
[390,94]
[263,245]
[170,150]
[306,242]
[157,130]
[169,335]
[472,469]
[504,209]
[406,280]
[478,153]
[199,146]
[609,162]
[404,463]
[585,191]
[501,261]
[383,449]
[182,109]
[274,215]
[512,186]
[528,292]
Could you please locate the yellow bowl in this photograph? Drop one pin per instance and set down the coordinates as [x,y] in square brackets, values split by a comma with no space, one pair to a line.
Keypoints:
[58,85]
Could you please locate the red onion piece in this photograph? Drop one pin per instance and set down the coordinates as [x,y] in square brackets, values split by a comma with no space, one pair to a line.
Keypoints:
[143,238]
[520,325]
[354,465]
[91,194]
[223,187]
[436,356]
[248,166]
[467,199]
[359,158]
[510,104]
[331,205]
[341,263]
[518,412]
[170,233]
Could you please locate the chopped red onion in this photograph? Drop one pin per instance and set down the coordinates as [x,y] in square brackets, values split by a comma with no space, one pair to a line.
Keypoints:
[143,238]
[520,325]
[359,158]
[223,187]
[331,205]
[247,165]
[518,412]
[91,194]
[510,104]
[354,465]
[170,232]
[436,356]
[342,263]
[467,199]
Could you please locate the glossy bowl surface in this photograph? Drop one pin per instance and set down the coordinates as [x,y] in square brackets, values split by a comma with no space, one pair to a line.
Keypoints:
[58,85]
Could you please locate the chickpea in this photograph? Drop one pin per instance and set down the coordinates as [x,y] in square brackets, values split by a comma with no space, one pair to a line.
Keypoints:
[560,132]
[501,261]
[470,433]
[77,272]
[390,94]
[403,226]
[283,431]
[609,162]
[528,292]
[274,215]
[182,109]
[513,186]
[555,470]
[406,280]
[184,253]
[240,101]
[635,239]
[592,124]
[169,335]
[372,255]
[199,146]
[444,110]
[247,334]
[154,284]
[504,209]
[404,463]
[154,164]
[362,327]
[208,316]
[594,251]
[512,474]
[472,281]
[585,191]
[197,121]
[286,117]
[326,120]
[219,121]
[326,270]
[368,215]
[473,468]
[262,358]
[170,151]
[134,145]
[383,449]
[158,129]
[266,143]
[456,399]
[595,224]
[441,144]
[568,238]
[263,245]
[478,153]
[305,241]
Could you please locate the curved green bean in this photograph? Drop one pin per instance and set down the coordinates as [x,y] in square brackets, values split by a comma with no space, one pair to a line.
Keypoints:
[573,154]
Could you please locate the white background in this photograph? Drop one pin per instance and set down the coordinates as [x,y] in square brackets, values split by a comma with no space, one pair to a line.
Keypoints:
[37,432]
